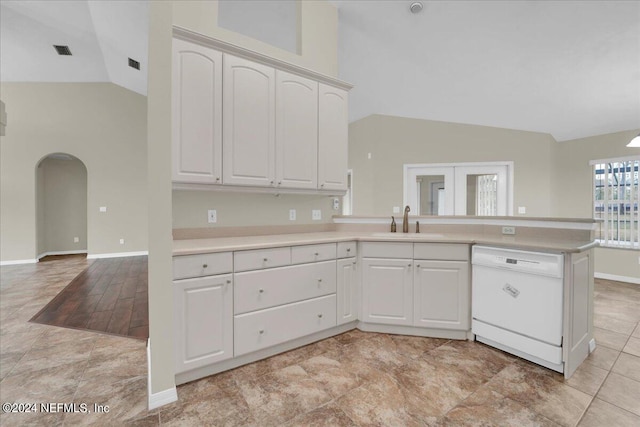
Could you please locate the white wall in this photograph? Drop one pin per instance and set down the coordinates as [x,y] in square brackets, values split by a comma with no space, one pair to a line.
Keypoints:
[101,124]
[395,141]
[572,191]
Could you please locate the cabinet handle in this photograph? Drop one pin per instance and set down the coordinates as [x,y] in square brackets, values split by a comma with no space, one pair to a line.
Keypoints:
[261,331]
[261,291]
[320,316]
[204,266]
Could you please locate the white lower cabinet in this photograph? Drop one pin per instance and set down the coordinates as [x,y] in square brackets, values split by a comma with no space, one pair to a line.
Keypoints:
[387,291]
[441,294]
[431,293]
[347,290]
[203,321]
[272,326]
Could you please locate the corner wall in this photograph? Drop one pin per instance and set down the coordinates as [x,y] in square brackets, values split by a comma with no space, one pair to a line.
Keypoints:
[572,191]
[101,124]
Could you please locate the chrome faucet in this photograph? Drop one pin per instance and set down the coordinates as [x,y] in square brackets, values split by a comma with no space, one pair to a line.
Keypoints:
[405,219]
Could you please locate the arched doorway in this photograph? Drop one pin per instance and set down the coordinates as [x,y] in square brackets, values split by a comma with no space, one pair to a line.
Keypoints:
[61,205]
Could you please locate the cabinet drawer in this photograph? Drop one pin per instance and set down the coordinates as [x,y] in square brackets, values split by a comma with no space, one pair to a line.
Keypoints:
[387,250]
[346,249]
[256,290]
[441,251]
[313,253]
[265,328]
[261,258]
[187,266]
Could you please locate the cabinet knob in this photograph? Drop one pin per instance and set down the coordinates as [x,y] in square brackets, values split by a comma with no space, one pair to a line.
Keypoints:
[354,263]
[418,265]
[261,331]
[261,291]
[322,185]
[265,259]
[316,254]
[279,182]
[218,178]
[320,316]
[228,282]
[205,265]
[348,249]
[409,265]
[271,182]
[319,281]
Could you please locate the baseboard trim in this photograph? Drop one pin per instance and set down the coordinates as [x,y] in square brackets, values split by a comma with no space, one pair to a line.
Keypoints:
[117,255]
[164,397]
[19,261]
[617,278]
[53,253]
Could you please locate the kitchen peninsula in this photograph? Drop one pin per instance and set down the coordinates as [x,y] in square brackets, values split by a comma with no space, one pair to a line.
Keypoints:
[235,294]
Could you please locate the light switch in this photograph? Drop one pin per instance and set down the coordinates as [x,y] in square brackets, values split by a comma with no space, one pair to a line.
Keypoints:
[212,216]
[316,214]
[76,239]
[292,214]
[396,209]
[103,208]
[122,241]
[522,210]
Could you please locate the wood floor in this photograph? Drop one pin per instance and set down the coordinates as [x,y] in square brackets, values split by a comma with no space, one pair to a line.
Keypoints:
[110,296]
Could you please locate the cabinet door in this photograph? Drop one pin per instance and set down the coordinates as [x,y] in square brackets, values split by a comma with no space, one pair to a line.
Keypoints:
[296,131]
[248,123]
[441,298]
[387,291]
[347,290]
[333,129]
[203,321]
[197,113]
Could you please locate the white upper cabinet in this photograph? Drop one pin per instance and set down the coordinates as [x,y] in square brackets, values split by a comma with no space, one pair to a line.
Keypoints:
[333,129]
[248,122]
[296,131]
[197,113]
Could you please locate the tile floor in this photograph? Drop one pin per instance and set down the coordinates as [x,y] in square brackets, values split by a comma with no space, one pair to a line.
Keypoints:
[353,379]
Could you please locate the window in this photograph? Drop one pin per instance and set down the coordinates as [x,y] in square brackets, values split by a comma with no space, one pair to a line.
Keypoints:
[615,201]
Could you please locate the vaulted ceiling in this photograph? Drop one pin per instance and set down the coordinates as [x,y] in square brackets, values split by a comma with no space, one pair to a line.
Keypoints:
[568,68]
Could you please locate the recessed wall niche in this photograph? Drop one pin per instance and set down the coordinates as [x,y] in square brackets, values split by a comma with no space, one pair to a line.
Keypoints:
[273,22]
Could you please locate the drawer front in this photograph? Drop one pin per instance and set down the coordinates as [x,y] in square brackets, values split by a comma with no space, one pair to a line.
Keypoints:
[313,253]
[387,250]
[257,290]
[261,258]
[265,328]
[188,266]
[441,251]
[347,249]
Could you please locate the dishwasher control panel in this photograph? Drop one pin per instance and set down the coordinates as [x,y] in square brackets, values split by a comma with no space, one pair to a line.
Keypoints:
[523,261]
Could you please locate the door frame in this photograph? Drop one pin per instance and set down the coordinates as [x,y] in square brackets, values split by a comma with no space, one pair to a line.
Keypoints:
[412,170]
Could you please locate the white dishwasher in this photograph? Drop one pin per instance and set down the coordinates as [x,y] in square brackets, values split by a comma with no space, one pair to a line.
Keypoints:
[517,303]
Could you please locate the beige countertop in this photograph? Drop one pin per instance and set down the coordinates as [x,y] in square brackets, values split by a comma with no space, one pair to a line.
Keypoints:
[224,244]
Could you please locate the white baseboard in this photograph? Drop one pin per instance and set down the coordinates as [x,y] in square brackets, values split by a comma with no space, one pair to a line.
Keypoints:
[18,261]
[164,397]
[606,276]
[117,255]
[71,252]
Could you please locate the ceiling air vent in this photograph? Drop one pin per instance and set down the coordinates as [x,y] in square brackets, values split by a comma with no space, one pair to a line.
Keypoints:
[62,50]
[134,64]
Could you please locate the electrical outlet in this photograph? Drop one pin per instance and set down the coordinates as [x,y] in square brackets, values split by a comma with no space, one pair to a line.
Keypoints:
[369,156]
[522,210]
[508,230]
[212,216]
[122,241]
[76,240]
[336,204]
[292,214]
[316,214]
[103,208]
[396,209]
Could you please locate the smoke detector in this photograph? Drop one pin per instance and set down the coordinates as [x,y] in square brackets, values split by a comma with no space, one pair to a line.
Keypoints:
[415,7]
